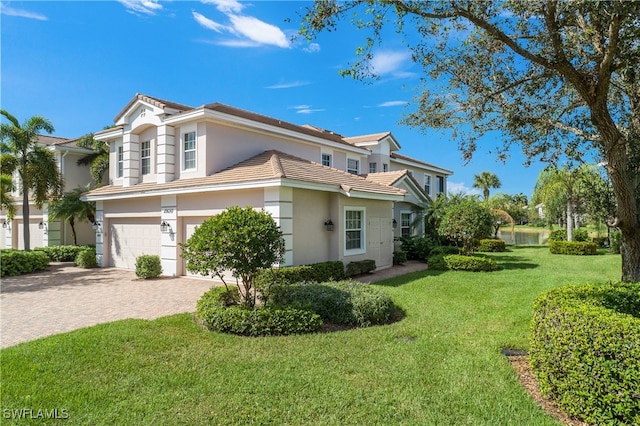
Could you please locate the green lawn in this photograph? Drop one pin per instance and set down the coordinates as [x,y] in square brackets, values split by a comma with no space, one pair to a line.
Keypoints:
[440,365]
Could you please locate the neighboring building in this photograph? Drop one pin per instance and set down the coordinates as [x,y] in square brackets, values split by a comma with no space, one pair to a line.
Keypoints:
[172,166]
[44,232]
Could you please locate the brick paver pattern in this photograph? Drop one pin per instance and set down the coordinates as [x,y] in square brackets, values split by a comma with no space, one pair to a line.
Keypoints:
[65,298]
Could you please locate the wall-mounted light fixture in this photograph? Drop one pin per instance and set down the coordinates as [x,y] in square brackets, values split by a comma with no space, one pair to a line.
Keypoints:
[394,223]
[4,224]
[96,226]
[42,225]
[165,226]
[328,225]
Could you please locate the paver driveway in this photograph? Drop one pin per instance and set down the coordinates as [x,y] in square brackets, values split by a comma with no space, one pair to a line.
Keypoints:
[66,298]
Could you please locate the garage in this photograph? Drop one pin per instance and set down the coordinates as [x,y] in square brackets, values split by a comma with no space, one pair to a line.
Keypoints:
[190,224]
[36,235]
[3,236]
[130,238]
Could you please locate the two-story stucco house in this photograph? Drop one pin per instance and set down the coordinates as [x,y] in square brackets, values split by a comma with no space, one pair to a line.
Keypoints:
[172,166]
[42,230]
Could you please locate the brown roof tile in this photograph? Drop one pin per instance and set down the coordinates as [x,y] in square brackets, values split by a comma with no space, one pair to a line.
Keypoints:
[160,103]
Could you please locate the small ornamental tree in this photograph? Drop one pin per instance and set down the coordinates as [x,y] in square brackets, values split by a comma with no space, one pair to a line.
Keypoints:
[466,221]
[241,241]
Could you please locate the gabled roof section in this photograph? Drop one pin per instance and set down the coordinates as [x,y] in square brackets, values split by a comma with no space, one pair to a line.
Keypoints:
[174,108]
[404,158]
[272,165]
[373,138]
[397,177]
[49,140]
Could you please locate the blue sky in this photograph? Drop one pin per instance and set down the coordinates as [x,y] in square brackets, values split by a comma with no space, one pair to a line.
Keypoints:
[79,63]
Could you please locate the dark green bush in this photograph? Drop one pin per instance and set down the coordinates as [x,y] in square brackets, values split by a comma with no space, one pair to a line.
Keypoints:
[442,250]
[217,297]
[62,253]
[616,237]
[18,262]
[492,245]
[458,262]
[580,234]
[86,258]
[344,302]
[600,241]
[585,351]
[436,262]
[316,272]
[360,267]
[148,266]
[558,235]
[573,248]
[399,257]
[263,321]
[417,247]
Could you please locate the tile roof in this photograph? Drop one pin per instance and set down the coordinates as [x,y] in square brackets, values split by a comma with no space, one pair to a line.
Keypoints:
[160,103]
[392,178]
[265,166]
[49,140]
[404,157]
[374,137]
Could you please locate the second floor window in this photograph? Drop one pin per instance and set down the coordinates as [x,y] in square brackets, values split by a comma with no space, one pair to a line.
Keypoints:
[385,167]
[373,167]
[427,184]
[145,157]
[189,151]
[326,160]
[353,166]
[120,162]
[440,187]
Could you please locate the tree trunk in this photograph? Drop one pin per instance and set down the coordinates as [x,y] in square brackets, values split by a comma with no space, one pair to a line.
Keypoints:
[570,220]
[25,214]
[72,223]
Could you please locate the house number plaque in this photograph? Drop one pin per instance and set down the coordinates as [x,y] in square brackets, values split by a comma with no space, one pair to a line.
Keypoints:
[168,211]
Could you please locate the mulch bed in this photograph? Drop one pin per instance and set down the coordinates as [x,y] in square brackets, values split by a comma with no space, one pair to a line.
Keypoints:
[522,368]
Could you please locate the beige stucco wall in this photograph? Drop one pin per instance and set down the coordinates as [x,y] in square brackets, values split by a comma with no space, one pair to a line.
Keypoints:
[140,207]
[73,174]
[311,241]
[210,203]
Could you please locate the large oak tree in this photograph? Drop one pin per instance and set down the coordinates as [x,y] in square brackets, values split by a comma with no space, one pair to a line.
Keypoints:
[559,78]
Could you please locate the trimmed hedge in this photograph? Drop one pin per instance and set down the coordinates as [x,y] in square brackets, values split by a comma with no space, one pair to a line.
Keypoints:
[148,266]
[575,248]
[18,262]
[62,253]
[360,267]
[344,302]
[585,351]
[399,257]
[558,235]
[459,262]
[492,245]
[86,258]
[317,272]
[219,310]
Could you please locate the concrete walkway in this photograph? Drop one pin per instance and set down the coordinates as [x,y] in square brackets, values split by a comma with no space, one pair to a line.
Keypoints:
[65,298]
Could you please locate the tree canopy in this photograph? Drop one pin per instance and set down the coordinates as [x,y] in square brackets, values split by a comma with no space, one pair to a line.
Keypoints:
[559,78]
[485,181]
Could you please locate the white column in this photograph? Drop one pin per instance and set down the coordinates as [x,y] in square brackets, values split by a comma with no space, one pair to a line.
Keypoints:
[131,166]
[166,154]
[279,202]
[45,222]
[100,233]
[169,249]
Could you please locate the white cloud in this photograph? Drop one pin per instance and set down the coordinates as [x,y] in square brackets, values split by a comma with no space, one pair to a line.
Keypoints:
[312,48]
[10,11]
[148,7]
[226,6]
[208,23]
[248,30]
[305,109]
[389,61]
[392,103]
[288,85]
[258,31]
[455,187]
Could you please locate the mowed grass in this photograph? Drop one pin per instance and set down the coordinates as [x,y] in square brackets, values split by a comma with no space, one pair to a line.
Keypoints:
[440,365]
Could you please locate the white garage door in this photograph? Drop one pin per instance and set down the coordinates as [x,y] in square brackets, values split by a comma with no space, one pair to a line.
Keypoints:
[190,224]
[36,235]
[3,236]
[130,238]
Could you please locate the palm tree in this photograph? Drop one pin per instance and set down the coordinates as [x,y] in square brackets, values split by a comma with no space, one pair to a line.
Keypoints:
[36,166]
[564,185]
[98,161]
[70,207]
[484,181]
[6,200]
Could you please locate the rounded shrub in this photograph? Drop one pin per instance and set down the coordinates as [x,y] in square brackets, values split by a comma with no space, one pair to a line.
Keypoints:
[148,266]
[492,245]
[86,258]
[558,235]
[435,262]
[217,297]
[585,350]
[399,257]
[580,234]
[442,250]
[62,253]
[575,248]
[343,302]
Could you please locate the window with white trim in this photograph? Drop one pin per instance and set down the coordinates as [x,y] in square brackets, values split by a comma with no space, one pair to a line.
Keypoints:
[440,187]
[354,230]
[120,161]
[385,167]
[373,167]
[427,184]
[353,166]
[326,159]
[145,157]
[405,224]
[189,151]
